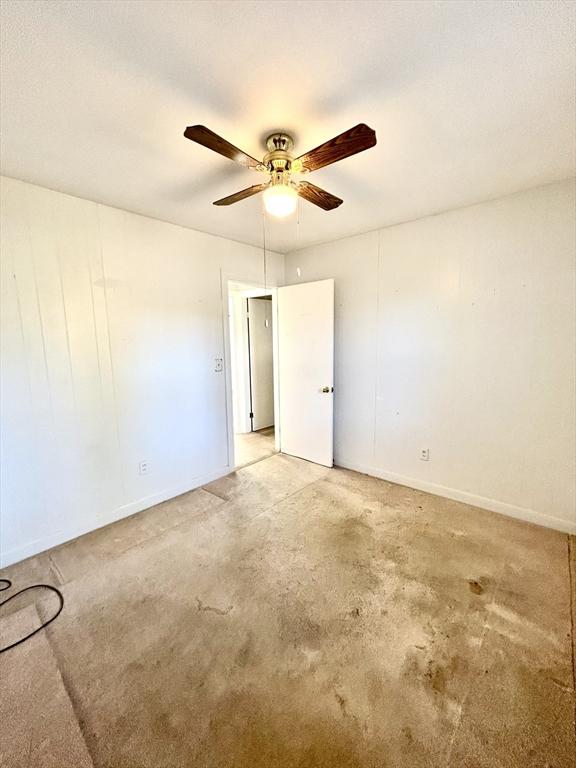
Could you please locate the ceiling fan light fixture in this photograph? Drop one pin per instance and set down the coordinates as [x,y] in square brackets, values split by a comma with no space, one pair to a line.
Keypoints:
[280,192]
[280,200]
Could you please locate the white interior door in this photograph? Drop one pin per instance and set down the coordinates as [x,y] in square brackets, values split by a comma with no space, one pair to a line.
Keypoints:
[306,370]
[261,364]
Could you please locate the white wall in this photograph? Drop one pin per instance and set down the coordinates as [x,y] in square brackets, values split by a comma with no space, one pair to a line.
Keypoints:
[111,323]
[261,362]
[454,332]
[457,333]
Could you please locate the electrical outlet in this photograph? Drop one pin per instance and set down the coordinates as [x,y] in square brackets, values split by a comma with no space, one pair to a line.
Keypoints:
[144,467]
[424,454]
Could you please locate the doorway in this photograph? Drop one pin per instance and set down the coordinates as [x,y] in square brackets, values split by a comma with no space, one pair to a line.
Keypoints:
[251,333]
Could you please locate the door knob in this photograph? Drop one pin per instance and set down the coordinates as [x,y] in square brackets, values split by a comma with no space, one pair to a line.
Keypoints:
[327,389]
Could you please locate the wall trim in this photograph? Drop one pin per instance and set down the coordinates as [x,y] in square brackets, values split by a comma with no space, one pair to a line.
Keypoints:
[493,505]
[62,536]
[37,546]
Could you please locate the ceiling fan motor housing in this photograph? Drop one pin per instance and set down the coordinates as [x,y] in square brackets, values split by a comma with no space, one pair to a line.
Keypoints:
[279,157]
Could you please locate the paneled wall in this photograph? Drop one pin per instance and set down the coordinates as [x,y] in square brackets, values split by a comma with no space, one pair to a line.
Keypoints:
[111,324]
[456,334]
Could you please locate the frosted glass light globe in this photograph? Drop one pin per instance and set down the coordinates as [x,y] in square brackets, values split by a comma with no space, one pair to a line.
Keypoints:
[280,200]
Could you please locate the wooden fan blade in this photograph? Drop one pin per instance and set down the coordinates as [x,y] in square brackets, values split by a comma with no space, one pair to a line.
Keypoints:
[318,196]
[349,143]
[242,195]
[202,135]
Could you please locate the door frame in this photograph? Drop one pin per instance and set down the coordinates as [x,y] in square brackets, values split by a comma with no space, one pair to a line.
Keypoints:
[256,288]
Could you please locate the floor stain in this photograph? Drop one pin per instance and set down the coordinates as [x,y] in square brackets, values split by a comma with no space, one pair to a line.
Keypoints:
[213,609]
[437,677]
[348,645]
[477,587]
[246,654]
[341,703]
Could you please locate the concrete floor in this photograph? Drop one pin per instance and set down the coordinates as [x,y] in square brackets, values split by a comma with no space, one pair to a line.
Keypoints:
[253,446]
[293,616]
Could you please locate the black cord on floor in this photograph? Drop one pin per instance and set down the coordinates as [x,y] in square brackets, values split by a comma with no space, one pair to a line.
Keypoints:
[6,584]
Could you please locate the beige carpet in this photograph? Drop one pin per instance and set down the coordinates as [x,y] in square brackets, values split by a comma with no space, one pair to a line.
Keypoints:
[290,616]
[38,724]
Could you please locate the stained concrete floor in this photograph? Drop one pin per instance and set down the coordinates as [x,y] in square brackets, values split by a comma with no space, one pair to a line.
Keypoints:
[293,616]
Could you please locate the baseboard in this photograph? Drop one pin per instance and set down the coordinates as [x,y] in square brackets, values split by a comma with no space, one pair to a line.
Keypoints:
[521,513]
[502,507]
[37,546]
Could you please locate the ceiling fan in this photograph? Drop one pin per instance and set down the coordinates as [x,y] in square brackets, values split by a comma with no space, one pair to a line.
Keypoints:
[280,190]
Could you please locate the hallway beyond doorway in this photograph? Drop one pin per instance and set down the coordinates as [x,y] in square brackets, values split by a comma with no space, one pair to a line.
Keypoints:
[253,446]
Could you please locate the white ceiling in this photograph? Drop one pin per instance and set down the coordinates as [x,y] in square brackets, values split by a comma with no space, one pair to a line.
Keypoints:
[469,100]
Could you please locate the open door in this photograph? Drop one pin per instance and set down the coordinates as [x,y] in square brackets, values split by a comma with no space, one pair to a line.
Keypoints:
[306,370]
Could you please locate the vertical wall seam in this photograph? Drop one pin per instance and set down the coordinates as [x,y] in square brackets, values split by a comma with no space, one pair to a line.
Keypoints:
[65,313]
[95,327]
[112,370]
[101,496]
[40,318]
[12,273]
[68,346]
[44,352]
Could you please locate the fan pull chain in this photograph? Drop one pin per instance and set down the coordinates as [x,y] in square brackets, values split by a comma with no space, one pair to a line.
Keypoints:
[298,209]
